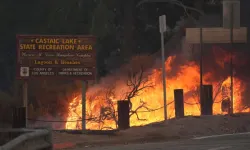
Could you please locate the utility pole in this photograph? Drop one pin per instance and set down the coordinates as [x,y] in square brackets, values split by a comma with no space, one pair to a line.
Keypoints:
[201,62]
[231,57]
[163,29]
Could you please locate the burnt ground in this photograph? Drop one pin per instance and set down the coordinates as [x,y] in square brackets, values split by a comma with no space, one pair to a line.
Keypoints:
[174,129]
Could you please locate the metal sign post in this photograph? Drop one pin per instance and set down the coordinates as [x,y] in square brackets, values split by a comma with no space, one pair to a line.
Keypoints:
[25,101]
[201,62]
[84,89]
[163,29]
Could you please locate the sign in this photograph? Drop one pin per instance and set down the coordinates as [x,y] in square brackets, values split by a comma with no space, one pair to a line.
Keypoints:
[56,56]
[216,35]
[162,24]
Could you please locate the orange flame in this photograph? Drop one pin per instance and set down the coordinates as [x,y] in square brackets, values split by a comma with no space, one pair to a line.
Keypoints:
[186,78]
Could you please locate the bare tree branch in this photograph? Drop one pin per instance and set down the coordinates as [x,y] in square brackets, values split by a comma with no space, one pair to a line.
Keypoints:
[244,108]
[175,2]
[218,91]
[136,83]
[108,109]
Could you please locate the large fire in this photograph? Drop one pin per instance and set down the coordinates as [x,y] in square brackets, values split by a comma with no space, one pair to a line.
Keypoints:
[101,102]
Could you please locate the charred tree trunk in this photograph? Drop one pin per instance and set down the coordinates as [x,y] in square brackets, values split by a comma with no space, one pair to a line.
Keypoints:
[129,43]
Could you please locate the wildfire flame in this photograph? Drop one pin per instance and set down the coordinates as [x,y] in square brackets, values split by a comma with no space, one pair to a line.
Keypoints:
[101,106]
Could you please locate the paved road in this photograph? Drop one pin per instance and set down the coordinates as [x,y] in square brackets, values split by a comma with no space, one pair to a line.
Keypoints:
[225,142]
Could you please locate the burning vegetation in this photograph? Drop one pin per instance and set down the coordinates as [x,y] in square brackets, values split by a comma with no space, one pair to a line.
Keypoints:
[143,89]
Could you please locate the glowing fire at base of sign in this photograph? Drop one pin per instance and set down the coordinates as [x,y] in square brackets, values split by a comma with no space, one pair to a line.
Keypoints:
[101,103]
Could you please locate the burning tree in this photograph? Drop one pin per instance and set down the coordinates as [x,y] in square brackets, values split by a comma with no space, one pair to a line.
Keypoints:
[136,83]
[108,111]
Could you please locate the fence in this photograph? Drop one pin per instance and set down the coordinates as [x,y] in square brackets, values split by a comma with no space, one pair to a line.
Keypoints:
[26,139]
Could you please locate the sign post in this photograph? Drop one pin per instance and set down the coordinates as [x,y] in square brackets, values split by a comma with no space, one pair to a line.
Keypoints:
[163,29]
[201,63]
[25,101]
[56,57]
[231,59]
[84,90]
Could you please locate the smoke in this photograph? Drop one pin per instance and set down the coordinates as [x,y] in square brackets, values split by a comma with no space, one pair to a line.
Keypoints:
[187,49]
[120,77]
[216,66]
[149,63]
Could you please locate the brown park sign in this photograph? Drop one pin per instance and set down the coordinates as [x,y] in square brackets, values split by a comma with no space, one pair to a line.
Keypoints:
[56,56]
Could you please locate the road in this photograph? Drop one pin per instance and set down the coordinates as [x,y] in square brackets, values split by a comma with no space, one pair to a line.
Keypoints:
[223,142]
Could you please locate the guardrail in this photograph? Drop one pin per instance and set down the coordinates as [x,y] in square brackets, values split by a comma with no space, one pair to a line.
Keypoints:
[26,139]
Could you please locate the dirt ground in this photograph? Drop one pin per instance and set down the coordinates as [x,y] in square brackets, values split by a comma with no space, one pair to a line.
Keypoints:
[173,129]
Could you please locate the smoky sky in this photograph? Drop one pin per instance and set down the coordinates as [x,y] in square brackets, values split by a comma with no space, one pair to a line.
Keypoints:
[245,15]
[245,22]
